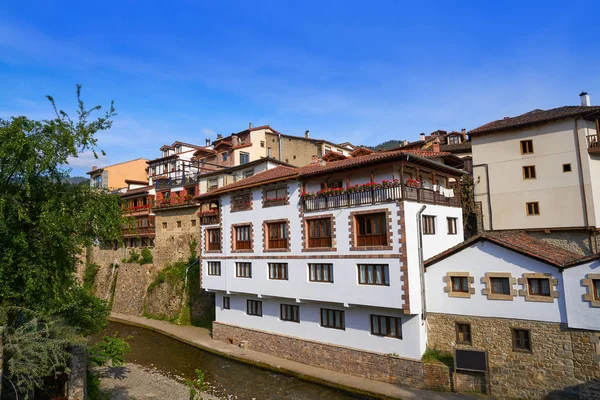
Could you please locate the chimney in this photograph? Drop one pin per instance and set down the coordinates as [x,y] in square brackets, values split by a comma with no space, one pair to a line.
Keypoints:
[219,136]
[234,140]
[585,99]
[463,131]
[314,160]
[207,142]
[436,147]
[249,125]
[307,134]
[94,168]
[422,136]
[404,142]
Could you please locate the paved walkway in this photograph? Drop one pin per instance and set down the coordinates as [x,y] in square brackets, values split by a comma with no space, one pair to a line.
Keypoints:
[200,337]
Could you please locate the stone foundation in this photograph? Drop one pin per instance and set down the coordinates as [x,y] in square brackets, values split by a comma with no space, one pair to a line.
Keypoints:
[560,358]
[172,242]
[381,367]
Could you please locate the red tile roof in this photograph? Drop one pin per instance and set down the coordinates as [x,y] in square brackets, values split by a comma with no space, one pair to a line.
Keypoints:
[275,174]
[522,243]
[534,117]
[135,191]
[427,153]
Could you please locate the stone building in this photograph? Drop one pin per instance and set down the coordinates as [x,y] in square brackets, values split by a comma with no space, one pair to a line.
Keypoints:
[533,307]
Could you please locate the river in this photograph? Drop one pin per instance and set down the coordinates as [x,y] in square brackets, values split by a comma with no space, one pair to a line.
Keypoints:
[228,377]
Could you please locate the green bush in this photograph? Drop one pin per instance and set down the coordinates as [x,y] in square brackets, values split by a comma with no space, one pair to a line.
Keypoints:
[434,355]
[171,274]
[89,276]
[134,256]
[146,256]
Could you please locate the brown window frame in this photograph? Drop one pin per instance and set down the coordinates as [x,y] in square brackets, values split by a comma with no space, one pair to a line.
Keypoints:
[289,312]
[179,224]
[277,235]
[529,172]
[213,268]
[336,184]
[226,303]
[526,146]
[428,224]
[452,225]
[193,222]
[241,202]
[213,233]
[246,244]
[537,282]
[330,323]
[464,280]
[596,289]
[278,271]
[521,340]
[533,208]
[388,322]
[371,229]
[279,198]
[464,329]
[243,270]
[504,280]
[364,278]
[322,227]
[254,308]
[313,276]
[164,225]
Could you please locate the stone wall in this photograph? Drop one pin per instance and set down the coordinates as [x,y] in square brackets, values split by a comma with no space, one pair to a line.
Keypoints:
[130,289]
[77,377]
[355,362]
[172,242]
[560,357]
[164,301]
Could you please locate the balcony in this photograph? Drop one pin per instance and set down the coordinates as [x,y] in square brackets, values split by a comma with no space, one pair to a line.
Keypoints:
[374,194]
[173,202]
[175,181]
[139,231]
[593,142]
[137,210]
[210,217]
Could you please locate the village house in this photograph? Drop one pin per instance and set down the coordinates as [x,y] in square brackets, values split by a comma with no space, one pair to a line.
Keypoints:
[112,177]
[321,264]
[532,307]
[539,172]
[448,145]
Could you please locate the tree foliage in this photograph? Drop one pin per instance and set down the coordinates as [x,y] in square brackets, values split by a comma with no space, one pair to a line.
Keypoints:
[45,222]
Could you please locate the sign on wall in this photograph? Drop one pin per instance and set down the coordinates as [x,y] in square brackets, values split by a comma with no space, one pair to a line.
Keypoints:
[470,360]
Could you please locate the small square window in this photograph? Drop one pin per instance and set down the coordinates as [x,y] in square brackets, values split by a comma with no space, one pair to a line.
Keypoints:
[193,222]
[179,224]
[567,167]
[533,208]
[539,287]
[463,333]
[596,284]
[164,225]
[526,146]
[290,313]
[224,156]
[278,271]
[262,143]
[500,285]
[460,284]
[529,172]
[452,226]
[243,270]
[226,303]
[254,307]
[428,225]
[214,268]
[521,340]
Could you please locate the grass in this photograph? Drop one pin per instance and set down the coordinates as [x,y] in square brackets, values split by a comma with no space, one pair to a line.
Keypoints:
[432,356]
[89,276]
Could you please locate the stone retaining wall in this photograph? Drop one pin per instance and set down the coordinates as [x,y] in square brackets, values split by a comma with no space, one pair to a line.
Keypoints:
[172,241]
[381,367]
[560,357]
[130,289]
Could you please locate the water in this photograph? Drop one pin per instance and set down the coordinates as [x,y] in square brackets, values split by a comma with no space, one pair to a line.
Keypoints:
[229,377]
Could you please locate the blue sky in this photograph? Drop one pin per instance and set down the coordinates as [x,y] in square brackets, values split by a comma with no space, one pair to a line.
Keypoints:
[354,71]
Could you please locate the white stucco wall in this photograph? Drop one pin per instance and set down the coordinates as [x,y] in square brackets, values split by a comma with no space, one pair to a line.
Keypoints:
[482,257]
[580,313]
[356,335]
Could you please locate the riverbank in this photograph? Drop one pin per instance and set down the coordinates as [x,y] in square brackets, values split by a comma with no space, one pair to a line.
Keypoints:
[200,337]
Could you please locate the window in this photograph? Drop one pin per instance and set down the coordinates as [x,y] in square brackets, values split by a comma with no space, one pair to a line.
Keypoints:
[164,225]
[276,196]
[526,146]
[460,284]
[243,270]
[213,184]
[567,167]
[244,158]
[241,202]
[429,225]
[320,273]
[452,227]
[386,326]
[521,340]
[278,271]
[463,333]
[500,285]
[226,303]
[290,313]
[370,274]
[372,229]
[214,239]
[248,174]
[254,307]
[179,224]
[214,268]
[319,233]
[332,319]
[327,149]
[242,238]
[539,286]
[453,139]
[332,185]
[277,235]
[533,208]
[596,285]
[191,191]
[529,172]
[224,156]
[262,143]
[193,222]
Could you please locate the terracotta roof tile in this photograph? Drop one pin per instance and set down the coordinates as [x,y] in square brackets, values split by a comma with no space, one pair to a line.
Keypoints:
[277,173]
[135,191]
[522,243]
[534,117]
[456,147]
[427,153]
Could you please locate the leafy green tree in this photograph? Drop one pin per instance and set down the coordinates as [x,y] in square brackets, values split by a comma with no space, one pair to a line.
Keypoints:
[45,222]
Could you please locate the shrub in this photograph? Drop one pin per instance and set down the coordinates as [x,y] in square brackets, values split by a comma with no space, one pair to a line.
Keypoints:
[146,256]
[89,276]
[435,355]
[134,256]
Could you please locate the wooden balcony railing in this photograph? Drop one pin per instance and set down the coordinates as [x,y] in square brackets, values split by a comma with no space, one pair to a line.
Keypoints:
[371,240]
[243,245]
[380,195]
[174,202]
[593,142]
[175,181]
[209,219]
[139,231]
[321,242]
[278,243]
[214,246]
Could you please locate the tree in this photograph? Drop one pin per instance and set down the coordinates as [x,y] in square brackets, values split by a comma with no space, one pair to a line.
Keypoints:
[45,222]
